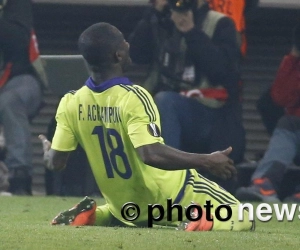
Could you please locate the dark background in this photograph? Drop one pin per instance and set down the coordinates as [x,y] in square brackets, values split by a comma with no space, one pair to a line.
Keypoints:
[58,26]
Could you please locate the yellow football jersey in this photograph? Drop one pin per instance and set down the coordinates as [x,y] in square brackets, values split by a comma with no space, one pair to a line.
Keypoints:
[109,121]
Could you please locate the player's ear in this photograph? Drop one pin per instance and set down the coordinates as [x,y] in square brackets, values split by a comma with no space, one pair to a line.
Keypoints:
[118,56]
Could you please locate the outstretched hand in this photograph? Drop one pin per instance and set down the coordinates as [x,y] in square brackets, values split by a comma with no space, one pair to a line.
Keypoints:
[46,146]
[221,165]
[45,142]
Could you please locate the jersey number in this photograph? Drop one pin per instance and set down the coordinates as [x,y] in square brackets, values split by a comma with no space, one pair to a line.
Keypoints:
[110,160]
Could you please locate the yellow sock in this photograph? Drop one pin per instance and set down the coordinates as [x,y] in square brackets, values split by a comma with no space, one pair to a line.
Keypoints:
[233,224]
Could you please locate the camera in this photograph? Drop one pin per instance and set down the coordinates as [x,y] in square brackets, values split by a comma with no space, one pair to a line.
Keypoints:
[182,5]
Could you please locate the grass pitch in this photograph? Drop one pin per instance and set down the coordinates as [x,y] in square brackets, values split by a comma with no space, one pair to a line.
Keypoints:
[25,224]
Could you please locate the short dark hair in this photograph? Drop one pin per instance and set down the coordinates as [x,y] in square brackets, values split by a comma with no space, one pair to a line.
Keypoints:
[296,36]
[99,42]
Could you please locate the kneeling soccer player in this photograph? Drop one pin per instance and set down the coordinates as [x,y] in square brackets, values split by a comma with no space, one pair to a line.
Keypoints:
[118,125]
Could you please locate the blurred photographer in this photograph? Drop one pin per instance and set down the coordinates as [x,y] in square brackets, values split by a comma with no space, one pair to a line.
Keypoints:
[195,74]
[20,89]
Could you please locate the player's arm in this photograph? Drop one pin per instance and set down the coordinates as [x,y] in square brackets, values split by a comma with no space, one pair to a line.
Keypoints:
[143,123]
[56,154]
[164,157]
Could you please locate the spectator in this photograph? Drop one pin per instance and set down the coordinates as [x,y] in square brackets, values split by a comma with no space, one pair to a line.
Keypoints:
[269,111]
[118,126]
[285,141]
[20,89]
[237,10]
[196,56]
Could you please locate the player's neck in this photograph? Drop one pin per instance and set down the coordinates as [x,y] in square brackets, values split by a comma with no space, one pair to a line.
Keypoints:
[99,78]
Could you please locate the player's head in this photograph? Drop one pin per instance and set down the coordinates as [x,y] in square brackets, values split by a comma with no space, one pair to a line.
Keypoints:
[296,37]
[103,47]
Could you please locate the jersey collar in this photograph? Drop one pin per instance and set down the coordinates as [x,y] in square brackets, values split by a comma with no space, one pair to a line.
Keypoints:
[107,84]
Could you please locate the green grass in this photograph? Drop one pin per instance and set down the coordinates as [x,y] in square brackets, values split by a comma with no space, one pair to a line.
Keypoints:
[24,224]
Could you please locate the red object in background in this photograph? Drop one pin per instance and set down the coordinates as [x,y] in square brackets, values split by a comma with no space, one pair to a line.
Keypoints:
[285,90]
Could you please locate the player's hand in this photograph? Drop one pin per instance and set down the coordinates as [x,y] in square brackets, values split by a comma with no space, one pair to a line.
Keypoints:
[221,165]
[184,21]
[46,147]
[45,142]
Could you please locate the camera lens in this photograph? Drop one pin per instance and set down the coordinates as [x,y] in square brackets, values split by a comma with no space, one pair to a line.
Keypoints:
[181,5]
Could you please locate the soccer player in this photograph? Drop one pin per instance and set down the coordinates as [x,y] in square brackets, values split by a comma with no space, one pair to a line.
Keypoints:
[118,125]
